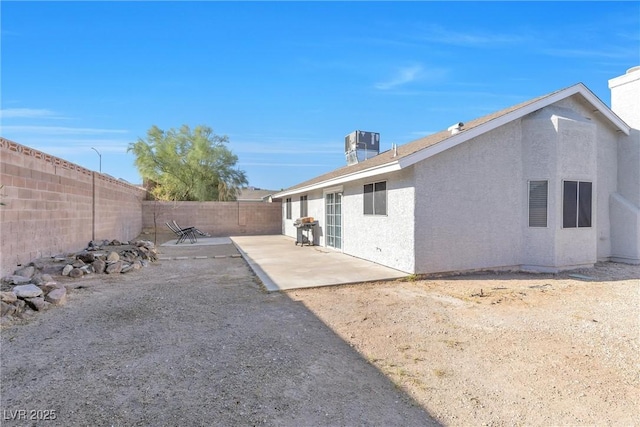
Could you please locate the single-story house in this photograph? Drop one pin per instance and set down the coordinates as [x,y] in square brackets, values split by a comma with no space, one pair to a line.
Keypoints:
[550,184]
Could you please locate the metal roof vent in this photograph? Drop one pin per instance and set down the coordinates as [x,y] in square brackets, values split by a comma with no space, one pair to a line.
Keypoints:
[455,128]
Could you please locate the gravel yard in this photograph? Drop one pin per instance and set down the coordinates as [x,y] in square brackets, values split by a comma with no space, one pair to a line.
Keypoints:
[197,341]
[501,349]
[189,342]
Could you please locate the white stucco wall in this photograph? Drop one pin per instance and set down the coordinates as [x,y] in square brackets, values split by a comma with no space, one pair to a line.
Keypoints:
[315,209]
[625,93]
[469,203]
[467,207]
[539,162]
[625,204]
[472,200]
[577,161]
[384,239]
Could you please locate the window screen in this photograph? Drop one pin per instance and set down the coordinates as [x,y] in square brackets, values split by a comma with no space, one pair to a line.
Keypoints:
[375,198]
[288,207]
[303,206]
[576,204]
[538,191]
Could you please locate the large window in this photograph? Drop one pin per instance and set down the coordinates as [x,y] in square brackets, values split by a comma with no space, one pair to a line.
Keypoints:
[538,191]
[303,207]
[375,198]
[576,204]
[287,204]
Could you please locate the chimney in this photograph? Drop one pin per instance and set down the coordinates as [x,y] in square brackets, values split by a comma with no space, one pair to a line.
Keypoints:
[625,97]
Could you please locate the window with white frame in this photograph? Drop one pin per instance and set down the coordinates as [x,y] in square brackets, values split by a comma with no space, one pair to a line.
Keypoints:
[576,204]
[303,207]
[287,204]
[538,201]
[375,198]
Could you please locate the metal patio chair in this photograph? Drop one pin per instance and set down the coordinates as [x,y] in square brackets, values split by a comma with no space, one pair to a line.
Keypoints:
[182,234]
[202,233]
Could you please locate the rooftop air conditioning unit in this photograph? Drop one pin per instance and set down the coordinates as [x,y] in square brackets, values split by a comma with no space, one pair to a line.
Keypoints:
[360,146]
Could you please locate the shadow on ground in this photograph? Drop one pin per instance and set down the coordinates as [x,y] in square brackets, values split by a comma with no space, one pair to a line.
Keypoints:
[193,341]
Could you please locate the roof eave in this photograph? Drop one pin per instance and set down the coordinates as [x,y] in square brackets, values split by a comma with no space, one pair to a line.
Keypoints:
[366,173]
[514,115]
[466,135]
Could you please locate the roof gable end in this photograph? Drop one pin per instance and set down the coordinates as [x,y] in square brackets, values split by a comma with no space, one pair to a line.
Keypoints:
[421,149]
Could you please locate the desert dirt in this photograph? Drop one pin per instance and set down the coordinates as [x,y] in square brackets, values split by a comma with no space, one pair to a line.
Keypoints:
[198,341]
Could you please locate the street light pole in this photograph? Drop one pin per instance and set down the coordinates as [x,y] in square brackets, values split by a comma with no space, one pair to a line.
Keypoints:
[100,156]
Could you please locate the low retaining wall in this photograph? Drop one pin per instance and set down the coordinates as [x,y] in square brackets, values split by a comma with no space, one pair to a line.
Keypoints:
[54,206]
[216,218]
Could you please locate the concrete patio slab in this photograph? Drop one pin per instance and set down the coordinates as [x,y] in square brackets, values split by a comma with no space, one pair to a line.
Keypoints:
[282,265]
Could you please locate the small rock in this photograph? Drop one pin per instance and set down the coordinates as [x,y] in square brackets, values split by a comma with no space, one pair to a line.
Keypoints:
[16,280]
[115,242]
[113,257]
[86,257]
[26,272]
[126,268]
[78,263]
[57,296]
[37,303]
[75,273]
[49,286]
[8,297]
[99,266]
[7,309]
[67,269]
[116,267]
[27,291]
[20,305]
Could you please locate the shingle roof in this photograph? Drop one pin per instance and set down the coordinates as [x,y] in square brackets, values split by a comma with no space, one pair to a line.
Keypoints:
[413,147]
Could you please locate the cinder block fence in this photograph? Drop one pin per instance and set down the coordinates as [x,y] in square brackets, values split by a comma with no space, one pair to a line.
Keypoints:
[53,206]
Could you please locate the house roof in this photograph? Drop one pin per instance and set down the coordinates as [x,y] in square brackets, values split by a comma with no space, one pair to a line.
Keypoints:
[420,149]
[253,195]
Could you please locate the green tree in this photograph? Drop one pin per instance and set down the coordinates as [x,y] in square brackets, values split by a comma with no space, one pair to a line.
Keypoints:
[188,165]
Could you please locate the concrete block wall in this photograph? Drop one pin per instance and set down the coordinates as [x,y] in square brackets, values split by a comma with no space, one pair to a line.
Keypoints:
[50,206]
[216,218]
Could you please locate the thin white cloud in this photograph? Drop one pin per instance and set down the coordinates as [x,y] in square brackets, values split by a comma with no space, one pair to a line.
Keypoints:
[60,130]
[612,53]
[438,34]
[402,76]
[285,150]
[76,145]
[28,113]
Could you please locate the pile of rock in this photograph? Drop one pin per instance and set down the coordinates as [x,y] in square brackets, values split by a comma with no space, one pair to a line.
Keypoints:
[34,288]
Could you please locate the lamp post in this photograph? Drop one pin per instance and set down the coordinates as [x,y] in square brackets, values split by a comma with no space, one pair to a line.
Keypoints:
[100,156]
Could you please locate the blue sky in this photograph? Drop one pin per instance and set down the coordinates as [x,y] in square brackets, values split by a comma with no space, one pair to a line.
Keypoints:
[286,81]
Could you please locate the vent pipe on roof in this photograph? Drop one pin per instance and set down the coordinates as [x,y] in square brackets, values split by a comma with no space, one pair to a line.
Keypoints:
[455,128]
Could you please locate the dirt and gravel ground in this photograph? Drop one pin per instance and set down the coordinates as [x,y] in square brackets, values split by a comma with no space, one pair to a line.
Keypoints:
[199,342]
[501,349]
[193,342]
